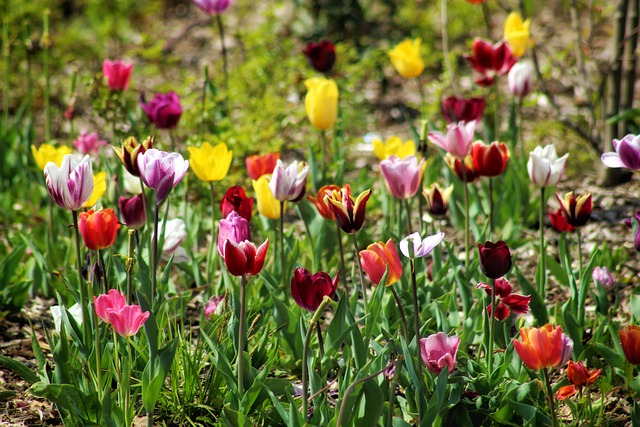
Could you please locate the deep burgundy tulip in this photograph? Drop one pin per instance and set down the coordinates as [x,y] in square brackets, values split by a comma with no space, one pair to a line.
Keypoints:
[506,301]
[491,61]
[559,222]
[489,159]
[495,259]
[132,211]
[243,258]
[456,109]
[308,290]
[235,200]
[577,210]
[164,110]
[321,56]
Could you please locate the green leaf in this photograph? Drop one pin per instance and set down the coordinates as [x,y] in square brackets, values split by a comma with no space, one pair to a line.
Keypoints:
[373,406]
[19,369]
[537,304]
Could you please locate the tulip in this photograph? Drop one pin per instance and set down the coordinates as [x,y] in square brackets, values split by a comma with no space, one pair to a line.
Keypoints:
[289,183]
[406,58]
[491,61]
[112,301]
[71,185]
[495,259]
[320,56]
[349,213]
[129,152]
[88,143]
[175,232]
[577,211]
[458,139]
[630,342]
[516,33]
[243,259]
[559,222]
[603,277]
[506,301]
[439,351]
[132,211]
[234,228]
[128,320]
[235,200]
[520,79]
[489,159]
[261,165]
[629,222]
[456,109]
[309,290]
[321,102]
[465,172]
[70,112]
[268,206]
[544,166]
[211,307]
[437,199]
[117,74]
[213,7]
[403,176]
[48,153]
[56,313]
[321,204]
[161,171]
[419,247]
[393,147]
[210,163]
[164,110]
[380,257]
[626,155]
[543,347]
[99,188]
[99,228]
[579,376]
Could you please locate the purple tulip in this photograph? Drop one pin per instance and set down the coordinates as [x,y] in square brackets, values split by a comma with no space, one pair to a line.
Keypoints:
[71,185]
[213,7]
[627,153]
[402,175]
[234,228]
[132,211]
[161,171]
[89,143]
[458,139]
[439,351]
[164,110]
[420,247]
[289,183]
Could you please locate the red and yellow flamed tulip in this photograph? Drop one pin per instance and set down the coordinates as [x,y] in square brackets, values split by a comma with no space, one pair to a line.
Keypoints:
[543,347]
[321,204]
[577,210]
[489,159]
[437,199]
[465,172]
[99,228]
[128,153]
[349,213]
[630,341]
[377,258]
[261,165]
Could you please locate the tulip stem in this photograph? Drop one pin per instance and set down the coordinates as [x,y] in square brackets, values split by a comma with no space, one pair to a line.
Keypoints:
[343,271]
[392,389]
[519,131]
[552,408]
[241,335]
[491,225]
[323,154]
[466,216]
[103,270]
[580,280]
[408,209]
[361,274]
[496,112]
[145,203]
[403,316]
[492,325]
[131,262]
[98,358]
[542,286]
[315,320]
[214,240]
[352,387]
[225,65]
[308,231]
[416,325]
[46,42]
[84,298]
[154,255]
[51,224]
[445,45]
[282,239]
[423,98]
[320,341]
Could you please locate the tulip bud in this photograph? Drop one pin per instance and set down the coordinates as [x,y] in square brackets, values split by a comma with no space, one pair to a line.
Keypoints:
[321,102]
[520,79]
[439,351]
[437,199]
[132,211]
[164,110]
[577,210]
[489,160]
[235,200]
[89,143]
[321,56]
[309,290]
[495,259]
[406,58]
[117,74]
[99,228]
[630,342]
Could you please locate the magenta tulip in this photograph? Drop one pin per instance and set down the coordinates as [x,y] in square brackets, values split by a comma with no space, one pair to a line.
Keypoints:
[234,228]
[128,320]
[117,74]
[114,300]
[89,143]
[164,110]
[212,7]
[627,153]
[439,351]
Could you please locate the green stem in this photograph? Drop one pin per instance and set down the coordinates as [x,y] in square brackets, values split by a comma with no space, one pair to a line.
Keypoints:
[204,101]
[392,389]
[103,270]
[496,113]
[98,356]
[320,342]
[46,42]
[6,53]
[491,225]
[225,65]
[281,238]
[127,387]
[581,302]
[323,154]
[350,390]
[315,320]
[343,270]
[445,44]
[84,297]
[154,255]
[214,236]
[416,325]
[131,261]
[492,319]
[542,287]
[308,231]
[51,231]
[552,408]
[408,209]
[145,202]
[519,131]
[403,316]
[466,216]
[241,335]
[423,98]
[360,273]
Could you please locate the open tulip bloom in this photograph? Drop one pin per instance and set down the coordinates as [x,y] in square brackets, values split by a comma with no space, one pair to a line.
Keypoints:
[414,246]
[626,155]
[456,109]
[406,58]
[161,171]
[439,351]
[258,166]
[457,140]
[402,175]
[308,290]
[379,258]
[210,163]
[544,166]
[491,61]
[579,376]
[348,212]
[243,258]
[289,183]
[506,301]
[576,210]
[70,185]
[545,347]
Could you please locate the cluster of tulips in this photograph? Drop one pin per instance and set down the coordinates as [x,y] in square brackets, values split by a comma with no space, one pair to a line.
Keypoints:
[148,177]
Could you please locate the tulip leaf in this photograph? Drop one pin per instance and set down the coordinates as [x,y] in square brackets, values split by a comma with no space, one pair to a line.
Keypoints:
[635,306]
[572,328]
[527,412]
[373,405]
[537,304]
[609,355]
[19,368]
[437,399]
[557,271]
[375,306]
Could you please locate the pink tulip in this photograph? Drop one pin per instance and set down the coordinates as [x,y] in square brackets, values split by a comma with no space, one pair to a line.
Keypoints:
[234,228]
[458,139]
[212,306]
[439,351]
[89,143]
[212,7]
[117,74]
[114,300]
[128,320]
[402,175]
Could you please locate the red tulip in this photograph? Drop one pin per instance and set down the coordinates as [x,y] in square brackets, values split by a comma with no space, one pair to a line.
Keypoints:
[456,109]
[630,341]
[319,201]
[491,61]
[576,211]
[377,258]
[261,165]
[495,259]
[349,213]
[506,302]
[321,56]
[235,200]
[489,160]
[309,290]
[579,376]
[243,259]
[99,228]
[559,222]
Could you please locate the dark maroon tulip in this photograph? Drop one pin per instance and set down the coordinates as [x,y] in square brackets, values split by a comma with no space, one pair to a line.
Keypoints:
[559,222]
[132,211]
[491,61]
[235,200]
[506,301]
[495,259]
[164,110]
[456,109]
[321,56]
[309,290]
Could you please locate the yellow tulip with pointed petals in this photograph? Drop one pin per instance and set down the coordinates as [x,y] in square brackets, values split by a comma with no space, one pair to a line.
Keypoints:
[406,58]
[516,33]
[48,153]
[268,205]
[99,188]
[210,163]
[394,147]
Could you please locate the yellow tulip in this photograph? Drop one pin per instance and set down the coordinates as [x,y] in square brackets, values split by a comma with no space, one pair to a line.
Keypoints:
[48,153]
[267,204]
[321,102]
[99,188]
[516,33]
[210,163]
[394,147]
[406,58]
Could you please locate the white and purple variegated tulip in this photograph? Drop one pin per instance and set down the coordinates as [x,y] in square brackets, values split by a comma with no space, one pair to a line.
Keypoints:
[414,246]
[289,183]
[627,154]
[71,185]
[545,167]
[161,171]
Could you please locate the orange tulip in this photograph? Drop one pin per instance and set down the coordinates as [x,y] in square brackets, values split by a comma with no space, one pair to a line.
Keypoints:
[321,204]
[579,376]
[377,258]
[543,347]
[630,340]
[99,228]
[261,165]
